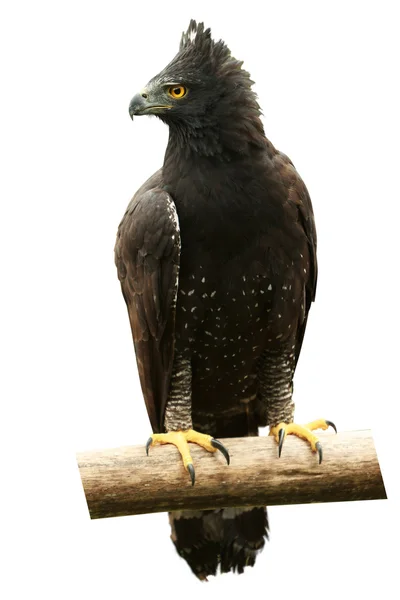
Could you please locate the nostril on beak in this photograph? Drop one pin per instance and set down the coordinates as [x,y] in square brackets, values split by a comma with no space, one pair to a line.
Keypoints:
[144,95]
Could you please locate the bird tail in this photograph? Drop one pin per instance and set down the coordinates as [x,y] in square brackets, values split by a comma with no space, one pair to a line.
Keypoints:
[229,538]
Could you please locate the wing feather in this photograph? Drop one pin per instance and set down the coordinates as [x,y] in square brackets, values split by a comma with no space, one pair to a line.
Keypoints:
[299,197]
[147,256]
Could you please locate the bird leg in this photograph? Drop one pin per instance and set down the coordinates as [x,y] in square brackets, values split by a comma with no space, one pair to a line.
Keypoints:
[303,431]
[180,439]
[178,417]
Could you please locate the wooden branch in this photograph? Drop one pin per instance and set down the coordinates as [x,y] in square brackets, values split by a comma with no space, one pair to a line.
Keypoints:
[124,481]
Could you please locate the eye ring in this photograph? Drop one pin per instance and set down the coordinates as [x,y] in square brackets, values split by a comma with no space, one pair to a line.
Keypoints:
[177,91]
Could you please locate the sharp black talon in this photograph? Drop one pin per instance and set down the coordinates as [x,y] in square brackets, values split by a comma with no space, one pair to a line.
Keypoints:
[319,450]
[190,468]
[331,425]
[281,438]
[217,444]
[148,444]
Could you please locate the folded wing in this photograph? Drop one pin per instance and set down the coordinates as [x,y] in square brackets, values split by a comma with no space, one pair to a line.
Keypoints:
[147,255]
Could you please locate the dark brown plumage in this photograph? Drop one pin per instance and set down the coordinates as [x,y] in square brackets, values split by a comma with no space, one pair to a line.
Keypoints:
[216,255]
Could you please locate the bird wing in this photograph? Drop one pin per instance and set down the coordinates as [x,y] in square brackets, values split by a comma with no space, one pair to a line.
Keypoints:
[299,200]
[147,255]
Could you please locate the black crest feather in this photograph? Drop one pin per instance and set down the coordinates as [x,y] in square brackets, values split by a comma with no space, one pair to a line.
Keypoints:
[195,34]
[197,41]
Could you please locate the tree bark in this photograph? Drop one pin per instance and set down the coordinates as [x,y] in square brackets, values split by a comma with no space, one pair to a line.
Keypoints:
[124,481]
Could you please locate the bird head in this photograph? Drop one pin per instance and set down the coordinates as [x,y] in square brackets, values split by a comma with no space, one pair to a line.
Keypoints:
[202,89]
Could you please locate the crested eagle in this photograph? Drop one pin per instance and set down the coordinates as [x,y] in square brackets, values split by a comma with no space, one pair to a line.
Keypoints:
[216,255]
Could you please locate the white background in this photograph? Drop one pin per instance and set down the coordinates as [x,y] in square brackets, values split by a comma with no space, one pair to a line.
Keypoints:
[71,158]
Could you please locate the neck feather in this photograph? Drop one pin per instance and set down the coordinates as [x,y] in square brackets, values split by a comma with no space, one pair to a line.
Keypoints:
[223,137]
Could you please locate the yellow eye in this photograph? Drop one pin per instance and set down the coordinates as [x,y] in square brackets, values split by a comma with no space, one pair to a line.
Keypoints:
[177,91]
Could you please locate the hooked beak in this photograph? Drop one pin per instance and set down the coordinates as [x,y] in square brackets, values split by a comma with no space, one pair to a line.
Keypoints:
[140,105]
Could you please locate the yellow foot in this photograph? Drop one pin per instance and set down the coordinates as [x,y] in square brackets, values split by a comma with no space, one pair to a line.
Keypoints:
[180,439]
[281,430]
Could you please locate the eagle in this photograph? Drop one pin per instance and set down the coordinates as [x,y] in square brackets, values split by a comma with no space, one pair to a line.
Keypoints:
[216,256]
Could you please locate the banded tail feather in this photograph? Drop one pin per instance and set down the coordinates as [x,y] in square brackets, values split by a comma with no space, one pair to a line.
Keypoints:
[227,538]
